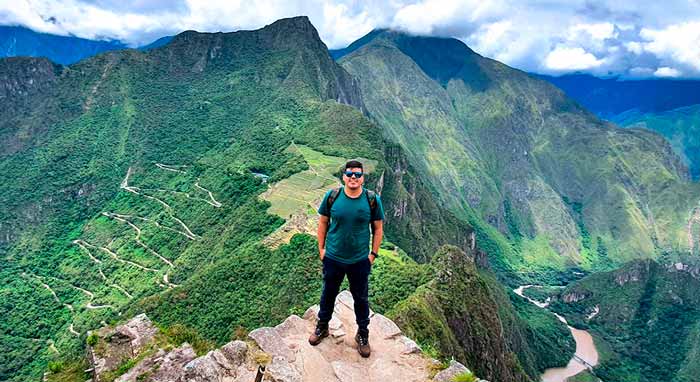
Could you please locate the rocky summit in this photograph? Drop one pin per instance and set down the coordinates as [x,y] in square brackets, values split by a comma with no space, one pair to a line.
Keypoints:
[132,352]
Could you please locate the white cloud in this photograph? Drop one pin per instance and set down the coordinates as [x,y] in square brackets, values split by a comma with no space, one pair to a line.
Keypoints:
[665,71]
[634,47]
[541,36]
[675,43]
[599,31]
[568,59]
[427,16]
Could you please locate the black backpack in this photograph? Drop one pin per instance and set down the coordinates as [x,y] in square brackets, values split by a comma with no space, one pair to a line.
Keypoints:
[371,199]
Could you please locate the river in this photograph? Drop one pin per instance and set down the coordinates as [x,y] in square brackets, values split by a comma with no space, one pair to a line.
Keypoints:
[585,348]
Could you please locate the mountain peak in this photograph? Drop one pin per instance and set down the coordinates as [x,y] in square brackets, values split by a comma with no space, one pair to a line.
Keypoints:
[280,353]
[284,33]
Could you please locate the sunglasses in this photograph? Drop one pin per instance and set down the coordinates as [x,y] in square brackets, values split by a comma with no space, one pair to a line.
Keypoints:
[349,174]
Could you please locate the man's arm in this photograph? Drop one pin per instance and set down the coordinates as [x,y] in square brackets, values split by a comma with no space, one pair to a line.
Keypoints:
[321,235]
[377,232]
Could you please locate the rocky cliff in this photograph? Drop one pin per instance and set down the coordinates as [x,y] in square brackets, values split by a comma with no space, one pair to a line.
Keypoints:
[134,351]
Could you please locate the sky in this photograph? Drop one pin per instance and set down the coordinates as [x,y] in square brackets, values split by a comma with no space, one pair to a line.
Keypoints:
[627,38]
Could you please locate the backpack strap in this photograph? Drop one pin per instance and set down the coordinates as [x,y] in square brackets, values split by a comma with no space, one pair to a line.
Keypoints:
[372,200]
[332,197]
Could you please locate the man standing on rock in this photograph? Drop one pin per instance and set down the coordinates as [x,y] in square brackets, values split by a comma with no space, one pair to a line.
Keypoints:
[343,245]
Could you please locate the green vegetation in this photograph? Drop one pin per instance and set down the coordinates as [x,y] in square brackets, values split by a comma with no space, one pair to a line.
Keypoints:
[646,328]
[465,313]
[154,181]
[584,376]
[465,377]
[88,242]
[569,190]
[680,126]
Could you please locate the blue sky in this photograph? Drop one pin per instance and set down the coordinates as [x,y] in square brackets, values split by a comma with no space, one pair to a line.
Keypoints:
[623,37]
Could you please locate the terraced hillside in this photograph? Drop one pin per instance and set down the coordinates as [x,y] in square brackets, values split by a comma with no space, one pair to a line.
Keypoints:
[561,188]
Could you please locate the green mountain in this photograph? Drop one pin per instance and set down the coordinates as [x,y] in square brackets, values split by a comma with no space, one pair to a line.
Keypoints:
[182,182]
[558,187]
[647,317]
[680,126]
[462,300]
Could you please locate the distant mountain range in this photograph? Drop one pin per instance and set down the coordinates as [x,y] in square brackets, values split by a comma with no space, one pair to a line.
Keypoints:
[20,41]
[608,97]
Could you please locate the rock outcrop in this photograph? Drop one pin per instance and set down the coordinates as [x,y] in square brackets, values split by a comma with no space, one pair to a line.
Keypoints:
[280,354]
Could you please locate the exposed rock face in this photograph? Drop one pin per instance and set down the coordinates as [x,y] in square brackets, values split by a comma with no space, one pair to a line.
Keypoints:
[409,202]
[117,345]
[394,358]
[573,297]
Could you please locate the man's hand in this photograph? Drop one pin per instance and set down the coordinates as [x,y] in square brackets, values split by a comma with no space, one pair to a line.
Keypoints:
[321,235]
[371,258]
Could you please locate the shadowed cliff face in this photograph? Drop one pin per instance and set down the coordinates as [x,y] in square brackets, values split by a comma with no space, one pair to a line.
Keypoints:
[564,185]
[26,85]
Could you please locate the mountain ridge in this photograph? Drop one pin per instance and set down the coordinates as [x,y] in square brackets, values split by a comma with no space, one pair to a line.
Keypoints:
[475,107]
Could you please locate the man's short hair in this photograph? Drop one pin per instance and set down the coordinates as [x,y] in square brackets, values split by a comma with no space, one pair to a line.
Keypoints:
[352,164]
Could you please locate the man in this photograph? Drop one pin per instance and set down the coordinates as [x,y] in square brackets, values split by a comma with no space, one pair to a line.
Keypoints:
[343,245]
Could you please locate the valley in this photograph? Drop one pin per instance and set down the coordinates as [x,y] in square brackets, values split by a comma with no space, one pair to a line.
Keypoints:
[586,355]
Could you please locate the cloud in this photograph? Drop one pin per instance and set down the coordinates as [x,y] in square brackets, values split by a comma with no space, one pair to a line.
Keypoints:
[676,43]
[553,36]
[665,71]
[571,59]
[599,31]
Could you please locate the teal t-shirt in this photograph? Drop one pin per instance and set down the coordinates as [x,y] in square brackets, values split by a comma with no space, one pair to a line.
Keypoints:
[348,235]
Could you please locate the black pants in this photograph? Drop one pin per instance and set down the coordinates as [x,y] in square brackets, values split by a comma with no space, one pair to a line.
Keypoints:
[358,277]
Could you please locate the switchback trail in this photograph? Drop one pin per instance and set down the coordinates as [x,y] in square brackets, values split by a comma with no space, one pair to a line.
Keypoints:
[135,190]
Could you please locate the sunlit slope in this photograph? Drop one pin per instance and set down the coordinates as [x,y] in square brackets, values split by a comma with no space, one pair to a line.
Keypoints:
[566,187]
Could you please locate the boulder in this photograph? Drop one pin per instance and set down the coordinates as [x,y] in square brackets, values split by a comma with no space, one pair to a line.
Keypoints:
[453,370]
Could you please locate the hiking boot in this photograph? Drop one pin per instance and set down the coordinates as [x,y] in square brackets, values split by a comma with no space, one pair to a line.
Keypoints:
[319,334]
[363,345]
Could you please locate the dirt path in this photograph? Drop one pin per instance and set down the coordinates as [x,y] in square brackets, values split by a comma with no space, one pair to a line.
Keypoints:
[52,346]
[122,290]
[88,293]
[154,222]
[71,329]
[146,247]
[171,167]
[119,259]
[213,202]
[188,196]
[95,260]
[135,190]
[81,244]
[122,218]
